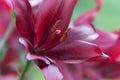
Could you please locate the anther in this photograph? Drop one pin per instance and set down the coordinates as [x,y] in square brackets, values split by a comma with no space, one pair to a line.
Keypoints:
[55,25]
[63,38]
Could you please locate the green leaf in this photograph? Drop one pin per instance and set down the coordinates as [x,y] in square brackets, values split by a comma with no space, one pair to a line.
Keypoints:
[36,73]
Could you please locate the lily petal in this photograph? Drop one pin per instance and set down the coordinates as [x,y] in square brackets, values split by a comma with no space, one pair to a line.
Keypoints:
[83,32]
[71,71]
[50,71]
[75,52]
[105,39]
[24,18]
[113,72]
[26,44]
[109,43]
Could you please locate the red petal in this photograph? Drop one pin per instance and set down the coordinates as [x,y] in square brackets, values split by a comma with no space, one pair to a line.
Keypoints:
[24,19]
[89,16]
[109,43]
[112,72]
[105,39]
[75,52]
[71,71]
[114,51]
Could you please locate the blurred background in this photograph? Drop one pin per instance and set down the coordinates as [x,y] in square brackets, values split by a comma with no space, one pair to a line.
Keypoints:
[108,19]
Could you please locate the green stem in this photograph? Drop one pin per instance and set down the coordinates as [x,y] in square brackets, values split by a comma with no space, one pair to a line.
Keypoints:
[25,70]
[8,32]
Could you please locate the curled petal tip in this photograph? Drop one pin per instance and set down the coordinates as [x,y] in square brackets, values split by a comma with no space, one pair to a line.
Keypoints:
[29,56]
[89,16]
[99,3]
[105,56]
[23,42]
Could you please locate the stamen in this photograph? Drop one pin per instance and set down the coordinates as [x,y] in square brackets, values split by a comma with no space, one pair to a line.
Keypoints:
[55,25]
[63,38]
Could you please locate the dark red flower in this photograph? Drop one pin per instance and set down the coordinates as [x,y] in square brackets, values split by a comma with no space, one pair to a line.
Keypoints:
[45,33]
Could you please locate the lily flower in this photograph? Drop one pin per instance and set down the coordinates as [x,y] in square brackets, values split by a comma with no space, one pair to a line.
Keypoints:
[48,39]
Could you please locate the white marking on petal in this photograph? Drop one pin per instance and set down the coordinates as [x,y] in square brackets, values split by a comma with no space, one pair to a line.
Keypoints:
[92,37]
[114,36]
[71,25]
[86,28]
[23,42]
[35,2]
[34,57]
[105,55]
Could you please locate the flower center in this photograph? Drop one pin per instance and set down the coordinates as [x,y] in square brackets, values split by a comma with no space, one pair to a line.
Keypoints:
[55,37]
[55,31]
[39,49]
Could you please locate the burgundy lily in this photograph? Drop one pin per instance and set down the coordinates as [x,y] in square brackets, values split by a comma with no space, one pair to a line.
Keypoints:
[48,39]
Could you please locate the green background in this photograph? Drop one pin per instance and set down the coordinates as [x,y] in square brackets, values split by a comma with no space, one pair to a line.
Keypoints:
[108,18]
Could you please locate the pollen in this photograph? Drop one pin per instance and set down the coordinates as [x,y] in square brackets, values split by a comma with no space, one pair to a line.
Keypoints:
[64,37]
[54,34]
